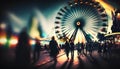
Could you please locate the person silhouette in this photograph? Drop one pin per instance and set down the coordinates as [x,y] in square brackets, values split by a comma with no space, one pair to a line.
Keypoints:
[67,48]
[37,49]
[54,49]
[72,48]
[23,49]
[79,48]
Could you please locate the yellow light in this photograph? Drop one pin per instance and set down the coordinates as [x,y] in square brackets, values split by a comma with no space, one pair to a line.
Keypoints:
[118,15]
[112,34]
[34,33]
[119,40]
[63,58]
[3,40]
[106,5]
[14,41]
[108,8]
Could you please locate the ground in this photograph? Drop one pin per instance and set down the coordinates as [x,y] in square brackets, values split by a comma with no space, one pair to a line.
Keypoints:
[84,61]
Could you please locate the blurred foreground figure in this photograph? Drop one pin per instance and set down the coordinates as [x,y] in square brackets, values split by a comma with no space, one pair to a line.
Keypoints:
[67,48]
[72,49]
[23,49]
[37,49]
[54,50]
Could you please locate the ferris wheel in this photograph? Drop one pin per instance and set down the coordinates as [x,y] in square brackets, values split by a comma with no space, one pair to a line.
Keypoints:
[81,20]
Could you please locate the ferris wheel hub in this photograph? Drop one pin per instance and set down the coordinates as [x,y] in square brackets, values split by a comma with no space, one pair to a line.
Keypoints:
[78,23]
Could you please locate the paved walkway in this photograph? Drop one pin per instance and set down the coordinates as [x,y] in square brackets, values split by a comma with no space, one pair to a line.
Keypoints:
[85,61]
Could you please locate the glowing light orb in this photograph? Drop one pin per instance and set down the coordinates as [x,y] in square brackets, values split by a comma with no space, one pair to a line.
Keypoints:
[2,25]
[78,23]
[32,42]
[3,40]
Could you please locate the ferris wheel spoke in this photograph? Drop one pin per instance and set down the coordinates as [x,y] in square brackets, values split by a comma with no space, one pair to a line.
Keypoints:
[68,17]
[62,10]
[71,13]
[83,10]
[92,15]
[67,32]
[66,29]
[66,12]
[92,11]
[70,33]
[59,13]
[93,33]
[76,11]
[86,10]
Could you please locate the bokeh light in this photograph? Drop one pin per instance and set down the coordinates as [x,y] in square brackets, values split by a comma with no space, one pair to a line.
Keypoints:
[3,26]
[13,41]
[3,40]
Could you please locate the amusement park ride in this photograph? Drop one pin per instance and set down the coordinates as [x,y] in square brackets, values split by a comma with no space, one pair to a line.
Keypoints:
[84,21]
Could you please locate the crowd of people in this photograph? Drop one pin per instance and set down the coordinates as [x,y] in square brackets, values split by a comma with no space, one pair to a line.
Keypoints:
[102,47]
[23,49]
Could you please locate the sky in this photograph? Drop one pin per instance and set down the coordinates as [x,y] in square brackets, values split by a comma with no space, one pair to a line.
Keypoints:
[17,14]
[22,10]
[26,6]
